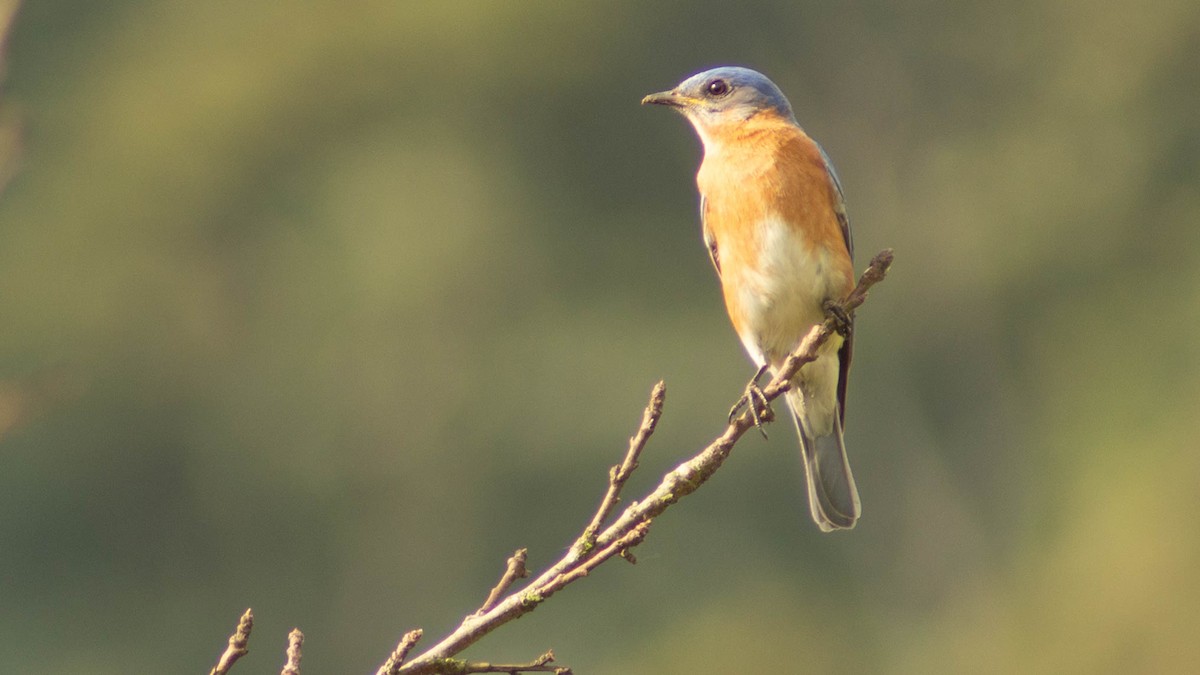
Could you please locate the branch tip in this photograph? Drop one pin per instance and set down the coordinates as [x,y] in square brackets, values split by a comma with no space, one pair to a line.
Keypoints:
[876,271]
[295,643]
[237,644]
[514,570]
[883,260]
[392,665]
[658,395]
[620,473]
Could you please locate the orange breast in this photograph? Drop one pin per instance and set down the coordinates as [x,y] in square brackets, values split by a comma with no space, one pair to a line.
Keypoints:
[766,188]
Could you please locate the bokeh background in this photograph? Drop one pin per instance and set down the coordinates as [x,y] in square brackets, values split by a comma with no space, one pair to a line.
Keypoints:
[324,308]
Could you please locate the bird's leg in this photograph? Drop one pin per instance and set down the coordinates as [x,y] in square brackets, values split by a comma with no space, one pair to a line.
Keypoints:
[754,400]
[843,323]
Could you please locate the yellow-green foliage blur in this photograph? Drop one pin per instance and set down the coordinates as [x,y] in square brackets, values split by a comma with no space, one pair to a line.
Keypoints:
[324,308]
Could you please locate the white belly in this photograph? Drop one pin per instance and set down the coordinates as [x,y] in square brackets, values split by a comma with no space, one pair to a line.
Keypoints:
[781,291]
[781,296]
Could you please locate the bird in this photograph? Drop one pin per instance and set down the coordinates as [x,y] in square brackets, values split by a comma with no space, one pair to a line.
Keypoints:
[774,221]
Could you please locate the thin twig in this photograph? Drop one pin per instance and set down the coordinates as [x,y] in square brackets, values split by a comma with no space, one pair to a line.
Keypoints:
[617,475]
[392,665]
[632,525]
[237,645]
[538,665]
[515,570]
[295,643]
[618,547]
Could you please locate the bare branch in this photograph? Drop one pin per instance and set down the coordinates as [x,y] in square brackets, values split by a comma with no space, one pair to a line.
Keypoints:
[538,665]
[619,474]
[515,570]
[237,645]
[392,665]
[295,642]
[629,529]
[619,547]
[597,543]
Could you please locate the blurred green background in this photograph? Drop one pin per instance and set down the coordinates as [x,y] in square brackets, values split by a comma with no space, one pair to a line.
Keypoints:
[324,308]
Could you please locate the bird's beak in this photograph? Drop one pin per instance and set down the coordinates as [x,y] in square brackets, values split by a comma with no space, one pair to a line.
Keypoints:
[669,98]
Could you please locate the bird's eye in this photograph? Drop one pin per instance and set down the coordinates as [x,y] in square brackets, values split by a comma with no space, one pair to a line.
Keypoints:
[718,88]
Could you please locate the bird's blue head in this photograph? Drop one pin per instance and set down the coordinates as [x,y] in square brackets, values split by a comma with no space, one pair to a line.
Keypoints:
[723,95]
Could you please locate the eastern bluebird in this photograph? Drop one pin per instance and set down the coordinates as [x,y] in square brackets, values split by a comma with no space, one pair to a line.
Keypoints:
[776,229]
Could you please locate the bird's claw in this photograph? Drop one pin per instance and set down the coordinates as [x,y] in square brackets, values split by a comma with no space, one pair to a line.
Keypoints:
[755,402]
[843,322]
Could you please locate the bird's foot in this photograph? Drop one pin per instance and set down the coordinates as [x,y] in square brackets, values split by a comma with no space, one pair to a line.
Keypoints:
[843,322]
[755,401]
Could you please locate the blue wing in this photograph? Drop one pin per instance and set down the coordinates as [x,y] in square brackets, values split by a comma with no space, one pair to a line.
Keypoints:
[846,353]
[839,204]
